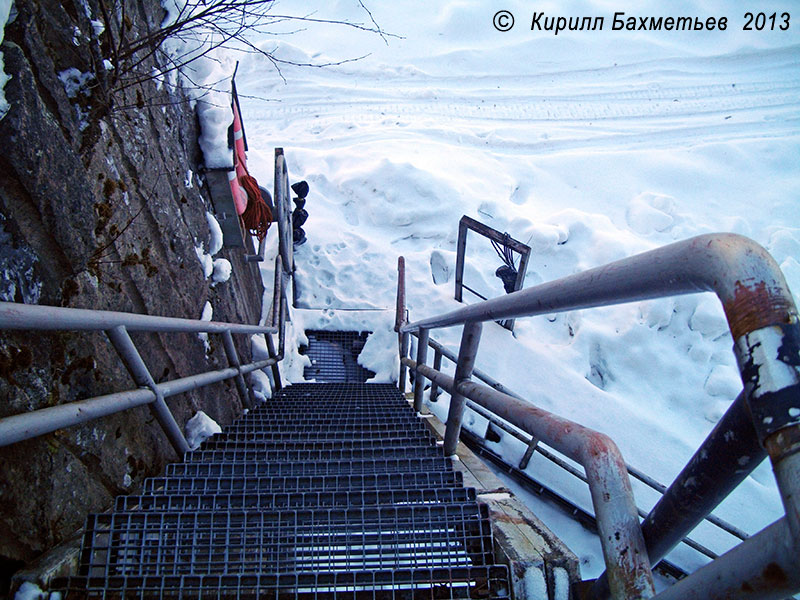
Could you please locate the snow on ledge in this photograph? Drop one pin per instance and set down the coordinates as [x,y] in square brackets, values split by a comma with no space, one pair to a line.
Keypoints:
[199,428]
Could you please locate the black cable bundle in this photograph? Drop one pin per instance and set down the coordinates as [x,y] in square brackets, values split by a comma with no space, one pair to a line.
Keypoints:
[507,272]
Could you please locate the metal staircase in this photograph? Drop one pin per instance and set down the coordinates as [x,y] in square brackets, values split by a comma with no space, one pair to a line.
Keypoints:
[331,490]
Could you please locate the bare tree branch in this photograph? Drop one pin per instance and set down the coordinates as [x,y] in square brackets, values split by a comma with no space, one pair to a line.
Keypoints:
[199,28]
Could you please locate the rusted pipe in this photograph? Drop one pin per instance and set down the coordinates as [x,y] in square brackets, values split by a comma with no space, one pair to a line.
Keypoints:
[624,551]
[437,366]
[784,450]
[400,314]
[765,566]
[404,343]
[726,457]
[419,381]
[467,353]
[618,522]
[769,361]
[744,276]
[634,472]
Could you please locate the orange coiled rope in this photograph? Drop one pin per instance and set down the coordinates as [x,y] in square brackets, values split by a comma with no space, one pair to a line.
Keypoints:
[257,217]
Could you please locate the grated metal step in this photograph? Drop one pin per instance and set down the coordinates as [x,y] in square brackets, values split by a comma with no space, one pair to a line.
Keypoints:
[304,420]
[282,456]
[282,469]
[325,483]
[280,437]
[334,356]
[309,429]
[316,445]
[295,500]
[287,541]
[330,490]
[440,584]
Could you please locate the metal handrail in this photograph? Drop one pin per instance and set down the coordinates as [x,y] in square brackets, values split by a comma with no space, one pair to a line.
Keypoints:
[16,316]
[117,325]
[533,446]
[764,323]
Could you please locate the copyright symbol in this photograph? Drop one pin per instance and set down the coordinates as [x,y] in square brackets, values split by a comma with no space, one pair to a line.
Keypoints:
[503,20]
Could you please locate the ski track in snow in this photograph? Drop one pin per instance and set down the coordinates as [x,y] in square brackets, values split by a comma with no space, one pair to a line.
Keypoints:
[623,109]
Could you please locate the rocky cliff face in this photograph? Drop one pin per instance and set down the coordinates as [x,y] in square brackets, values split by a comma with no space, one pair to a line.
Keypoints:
[99,208]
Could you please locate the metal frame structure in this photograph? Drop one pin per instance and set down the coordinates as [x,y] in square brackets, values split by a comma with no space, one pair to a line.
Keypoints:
[117,325]
[766,419]
[533,446]
[468,223]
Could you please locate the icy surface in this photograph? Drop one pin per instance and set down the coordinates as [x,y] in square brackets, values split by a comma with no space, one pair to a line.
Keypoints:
[589,147]
[222,271]
[215,244]
[18,279]
[199,428]
[75,82]
[219,270]
[206,262]
[31,591]
[206,315]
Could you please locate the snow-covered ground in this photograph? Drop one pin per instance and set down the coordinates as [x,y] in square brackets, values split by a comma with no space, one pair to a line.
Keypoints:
[589,146]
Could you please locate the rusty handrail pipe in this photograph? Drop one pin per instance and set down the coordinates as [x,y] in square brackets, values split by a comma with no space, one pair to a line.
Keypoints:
[744,276]
[761,315]
[516,432]
[609,485]
[400,312]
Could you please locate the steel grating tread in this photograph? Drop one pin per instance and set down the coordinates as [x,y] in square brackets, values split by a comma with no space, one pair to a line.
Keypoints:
[323,418]
[337,437]
[281,456]
[329,489]
[293,500]
[333,356]
[485,582]
[322,389]
[239,469]
[405,536]
[332,399]
[328,432]
[320,483]
[256,445]
[314,413]
[317,429]
[335,403]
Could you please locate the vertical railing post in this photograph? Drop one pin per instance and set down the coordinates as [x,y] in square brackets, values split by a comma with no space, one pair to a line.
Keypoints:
[283,208]
[437,366]
[526,458]
[404,339]
[400,312]
[141,375]
[460,251]
[233,360]
[422,356]
[277,385]
[399,321]
[466,363]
